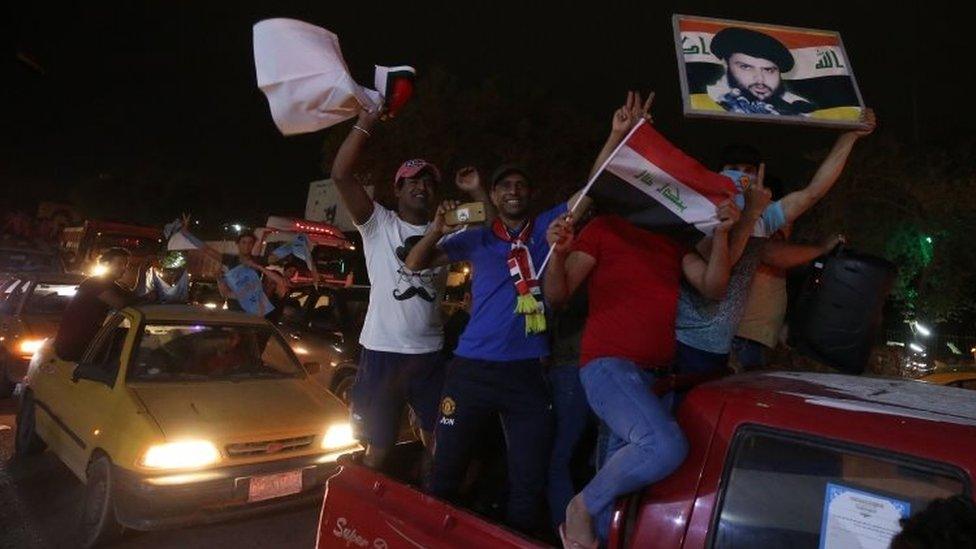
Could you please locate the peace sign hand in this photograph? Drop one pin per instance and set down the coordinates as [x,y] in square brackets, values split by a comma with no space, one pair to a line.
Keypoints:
[632,111]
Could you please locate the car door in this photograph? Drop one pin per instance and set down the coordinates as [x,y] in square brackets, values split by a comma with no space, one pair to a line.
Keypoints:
[89,404]
[786,489]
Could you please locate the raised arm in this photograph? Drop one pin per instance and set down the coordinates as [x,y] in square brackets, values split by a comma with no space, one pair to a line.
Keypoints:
[567,268]
[711,278]
[786,255]
[798,202]
[352,194]
[624,119]
[757,197]
[425,254]
[206,249]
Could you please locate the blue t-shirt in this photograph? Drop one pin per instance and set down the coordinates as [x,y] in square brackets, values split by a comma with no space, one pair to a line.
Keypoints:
[710,325]
[496,332]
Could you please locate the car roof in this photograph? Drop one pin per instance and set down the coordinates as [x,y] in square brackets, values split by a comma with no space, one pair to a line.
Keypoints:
[48,278]
[847,394]
[195,313]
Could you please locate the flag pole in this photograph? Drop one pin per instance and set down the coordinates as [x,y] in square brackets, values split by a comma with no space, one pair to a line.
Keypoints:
[589,184]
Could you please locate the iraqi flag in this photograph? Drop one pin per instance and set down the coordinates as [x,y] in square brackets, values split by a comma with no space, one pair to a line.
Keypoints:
[655,186]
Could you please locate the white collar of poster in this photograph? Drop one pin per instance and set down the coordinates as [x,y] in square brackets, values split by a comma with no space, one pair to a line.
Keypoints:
[301,70]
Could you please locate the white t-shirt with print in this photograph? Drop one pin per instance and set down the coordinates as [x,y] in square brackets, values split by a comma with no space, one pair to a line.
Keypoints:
[404,306]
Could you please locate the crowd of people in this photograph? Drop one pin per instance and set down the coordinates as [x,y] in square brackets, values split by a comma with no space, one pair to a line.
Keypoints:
[655,309]
[619,324]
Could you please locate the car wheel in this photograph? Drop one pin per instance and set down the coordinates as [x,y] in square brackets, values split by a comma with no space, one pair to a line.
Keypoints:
[26,441]
[343,388]
[6,386]
[98,523]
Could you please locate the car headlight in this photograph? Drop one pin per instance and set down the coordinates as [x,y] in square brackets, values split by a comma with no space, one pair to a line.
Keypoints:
[28,347]
[338,435]
[185,454]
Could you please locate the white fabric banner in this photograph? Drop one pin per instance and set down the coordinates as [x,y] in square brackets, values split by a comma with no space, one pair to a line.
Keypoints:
[301,71]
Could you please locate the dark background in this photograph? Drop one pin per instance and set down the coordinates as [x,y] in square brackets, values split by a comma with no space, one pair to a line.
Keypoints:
[165,93]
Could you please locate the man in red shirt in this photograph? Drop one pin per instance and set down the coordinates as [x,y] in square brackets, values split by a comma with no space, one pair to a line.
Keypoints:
[633,286]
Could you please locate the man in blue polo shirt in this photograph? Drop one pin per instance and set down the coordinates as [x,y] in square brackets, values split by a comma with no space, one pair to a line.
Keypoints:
[497,368]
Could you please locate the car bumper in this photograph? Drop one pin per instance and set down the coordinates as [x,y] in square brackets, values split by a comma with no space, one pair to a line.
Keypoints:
[152,502]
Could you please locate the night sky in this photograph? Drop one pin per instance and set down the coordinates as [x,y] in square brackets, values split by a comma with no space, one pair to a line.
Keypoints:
[169,87]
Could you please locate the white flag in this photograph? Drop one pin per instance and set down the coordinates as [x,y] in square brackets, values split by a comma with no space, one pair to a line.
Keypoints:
[301,71]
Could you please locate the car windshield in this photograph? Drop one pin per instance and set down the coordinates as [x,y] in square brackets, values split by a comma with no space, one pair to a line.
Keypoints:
[188,352]
[50,298]
[26,260]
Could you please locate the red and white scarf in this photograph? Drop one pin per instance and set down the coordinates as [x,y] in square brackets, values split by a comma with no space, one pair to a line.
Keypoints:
[529,301]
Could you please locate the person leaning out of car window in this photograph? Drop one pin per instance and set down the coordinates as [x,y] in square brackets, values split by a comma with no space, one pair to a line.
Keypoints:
[96,296]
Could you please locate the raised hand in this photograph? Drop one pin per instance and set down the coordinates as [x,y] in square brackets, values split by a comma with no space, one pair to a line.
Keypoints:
[869,121]
[756,195]
[633,109]
[560,234]
[832,242]
[367,119]
[728,213]
[468,179]
[438,224]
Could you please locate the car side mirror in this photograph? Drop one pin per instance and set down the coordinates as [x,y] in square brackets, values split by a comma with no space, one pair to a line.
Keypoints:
[312,367]
[91,372]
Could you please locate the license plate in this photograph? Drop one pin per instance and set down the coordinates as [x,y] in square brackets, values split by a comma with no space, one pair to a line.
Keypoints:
[274,486]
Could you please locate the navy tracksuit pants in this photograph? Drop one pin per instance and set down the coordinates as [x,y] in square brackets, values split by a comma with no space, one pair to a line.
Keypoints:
[518,392]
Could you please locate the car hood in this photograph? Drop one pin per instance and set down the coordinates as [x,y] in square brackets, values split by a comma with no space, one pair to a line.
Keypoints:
[240,411]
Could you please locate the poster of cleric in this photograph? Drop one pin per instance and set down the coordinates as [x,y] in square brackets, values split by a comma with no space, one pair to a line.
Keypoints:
[765,73]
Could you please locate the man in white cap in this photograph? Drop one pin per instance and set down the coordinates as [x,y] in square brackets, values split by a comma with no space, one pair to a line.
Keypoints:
[402,337]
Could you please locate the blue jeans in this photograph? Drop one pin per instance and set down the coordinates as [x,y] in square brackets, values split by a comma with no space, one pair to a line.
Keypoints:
[572,415]
[645,443]
[750,354]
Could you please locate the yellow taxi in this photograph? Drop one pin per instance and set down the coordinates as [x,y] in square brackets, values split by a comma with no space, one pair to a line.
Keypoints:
[965,379]
[179,414]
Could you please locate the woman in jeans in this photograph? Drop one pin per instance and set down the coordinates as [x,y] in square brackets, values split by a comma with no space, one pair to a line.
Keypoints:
[633,280]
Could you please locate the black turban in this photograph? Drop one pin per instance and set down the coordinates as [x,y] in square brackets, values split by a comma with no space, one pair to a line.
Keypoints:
[738,40]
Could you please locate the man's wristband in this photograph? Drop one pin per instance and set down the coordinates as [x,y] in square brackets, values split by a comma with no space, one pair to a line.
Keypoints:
[357,127]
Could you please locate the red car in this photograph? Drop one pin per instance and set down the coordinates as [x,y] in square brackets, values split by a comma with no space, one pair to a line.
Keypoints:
[782,459]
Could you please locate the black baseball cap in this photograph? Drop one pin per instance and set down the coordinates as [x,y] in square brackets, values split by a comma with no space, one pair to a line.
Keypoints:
[506,170]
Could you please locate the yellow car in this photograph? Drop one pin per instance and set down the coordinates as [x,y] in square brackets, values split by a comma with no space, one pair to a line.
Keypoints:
[180,414]
[960,378]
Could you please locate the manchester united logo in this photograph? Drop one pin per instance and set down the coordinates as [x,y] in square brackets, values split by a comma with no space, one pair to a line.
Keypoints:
[448,406]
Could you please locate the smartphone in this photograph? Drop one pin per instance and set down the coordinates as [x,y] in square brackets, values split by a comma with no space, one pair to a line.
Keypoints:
[471,212]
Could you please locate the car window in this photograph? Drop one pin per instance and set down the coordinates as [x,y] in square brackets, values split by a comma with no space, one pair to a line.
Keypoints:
[187,352]
[781,490]
[106,351]
[50,298]
[13,295]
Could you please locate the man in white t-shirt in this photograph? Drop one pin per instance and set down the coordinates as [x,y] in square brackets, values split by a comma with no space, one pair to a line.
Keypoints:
[402,337]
